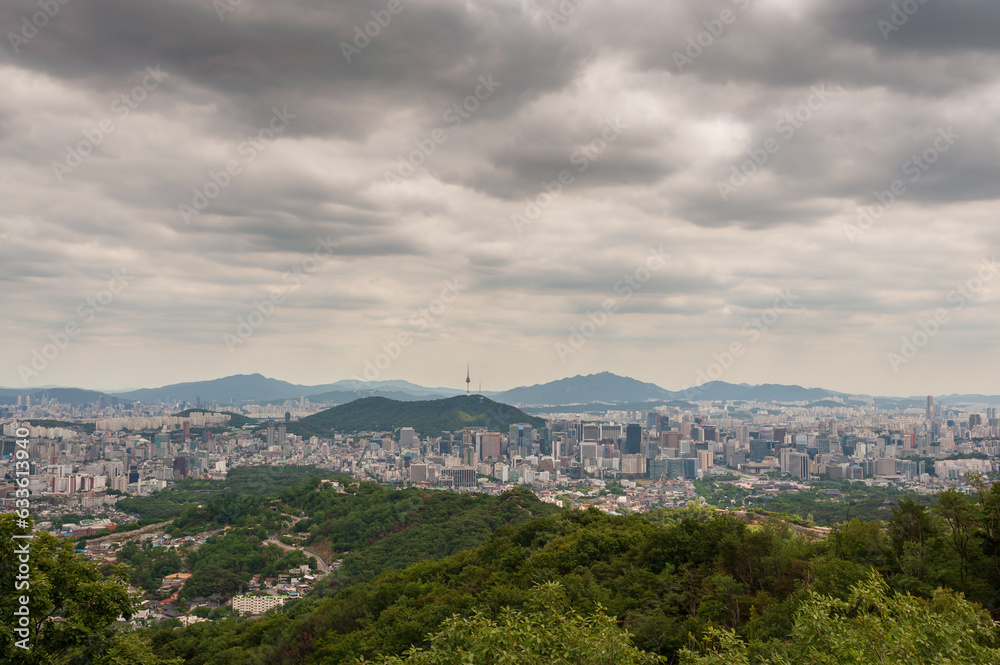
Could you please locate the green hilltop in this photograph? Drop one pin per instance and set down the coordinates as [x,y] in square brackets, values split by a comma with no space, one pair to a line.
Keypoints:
[427,417]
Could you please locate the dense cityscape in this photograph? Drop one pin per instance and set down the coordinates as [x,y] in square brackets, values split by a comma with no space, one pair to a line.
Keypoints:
[86,457]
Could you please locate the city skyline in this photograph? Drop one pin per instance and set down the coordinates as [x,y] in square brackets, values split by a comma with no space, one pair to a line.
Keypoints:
[754,192]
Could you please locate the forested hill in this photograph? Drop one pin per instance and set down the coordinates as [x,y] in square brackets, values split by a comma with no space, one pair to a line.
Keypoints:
[427,417]
[373,529]
[667,576]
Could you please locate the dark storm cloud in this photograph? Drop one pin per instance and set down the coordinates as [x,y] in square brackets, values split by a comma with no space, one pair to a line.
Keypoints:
[255,58]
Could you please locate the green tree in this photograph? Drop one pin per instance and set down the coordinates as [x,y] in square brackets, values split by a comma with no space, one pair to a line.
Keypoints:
[548,633]
[73,609]
[962,517]
[872,626]
[910,531]
[989,509]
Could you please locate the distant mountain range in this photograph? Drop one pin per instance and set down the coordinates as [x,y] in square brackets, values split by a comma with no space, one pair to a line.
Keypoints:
[611,389]
[593,388]
[600,390]
[428,418]
[243,388]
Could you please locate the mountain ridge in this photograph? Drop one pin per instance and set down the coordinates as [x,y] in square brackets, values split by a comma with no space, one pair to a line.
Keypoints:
[599,389]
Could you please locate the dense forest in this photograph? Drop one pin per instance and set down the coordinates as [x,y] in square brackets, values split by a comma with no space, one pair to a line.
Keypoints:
[680,582]
[223,565]
[441,577]
[373,529]
[427,417]
[250,483]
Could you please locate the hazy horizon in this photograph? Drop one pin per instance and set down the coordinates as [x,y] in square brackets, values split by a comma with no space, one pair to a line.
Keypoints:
[475,388]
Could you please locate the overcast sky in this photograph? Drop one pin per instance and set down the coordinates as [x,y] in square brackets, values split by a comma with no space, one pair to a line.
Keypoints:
[334,227]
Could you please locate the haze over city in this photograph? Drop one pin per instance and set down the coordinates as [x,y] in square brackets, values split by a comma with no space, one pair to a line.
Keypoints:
[541,189]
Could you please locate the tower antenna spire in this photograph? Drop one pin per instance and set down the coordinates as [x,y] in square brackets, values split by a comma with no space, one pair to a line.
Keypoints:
[468,380]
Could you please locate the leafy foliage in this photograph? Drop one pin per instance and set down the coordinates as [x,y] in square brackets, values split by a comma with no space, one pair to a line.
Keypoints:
[226,562]
[149,565]
[244,486]
[73,607]
[549,632]
[873,625]
[665,577]
[380,530]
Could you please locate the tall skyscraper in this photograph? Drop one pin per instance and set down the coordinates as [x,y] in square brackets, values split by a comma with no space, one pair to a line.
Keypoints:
[930,407]
[488,445]
[520,440]
[633,439]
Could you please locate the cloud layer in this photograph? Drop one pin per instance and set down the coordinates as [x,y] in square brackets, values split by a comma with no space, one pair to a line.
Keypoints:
[292,186]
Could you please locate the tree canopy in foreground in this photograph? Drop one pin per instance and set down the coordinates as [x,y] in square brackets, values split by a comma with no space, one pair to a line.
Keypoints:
[549,632]
[873,625]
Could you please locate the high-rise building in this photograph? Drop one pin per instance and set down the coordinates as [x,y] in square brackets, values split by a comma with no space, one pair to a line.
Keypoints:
[657,468]
[613,432]
[520,440]
[759,449]
[795,464]
[180,468]
[633,439]
[930,407]
[706,459]
[445,444]
[463,476]
[488,446]
[682,467]
[418,473]
[633,465]
[407,437]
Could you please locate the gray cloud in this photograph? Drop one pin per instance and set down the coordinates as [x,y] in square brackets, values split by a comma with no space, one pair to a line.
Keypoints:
[449,216]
